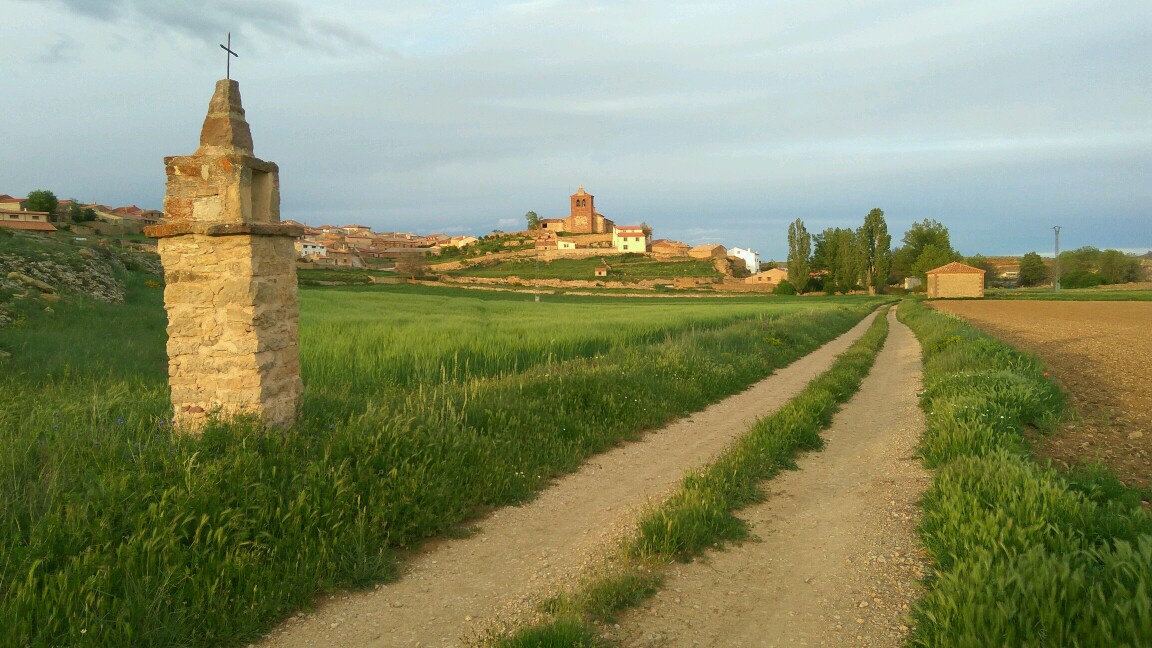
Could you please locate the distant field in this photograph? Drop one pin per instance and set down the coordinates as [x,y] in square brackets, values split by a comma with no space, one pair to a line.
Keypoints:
[1115,292]
[623,268]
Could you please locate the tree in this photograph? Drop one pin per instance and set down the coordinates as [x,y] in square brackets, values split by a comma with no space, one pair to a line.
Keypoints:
[846,271]
[799,251]
[42,200]
[931,257]
[1117,267]
[875,250]
[533,220]
[1082,259]
[837,252]
[926,232]
[1082,279]
[785,287]
[1032,270]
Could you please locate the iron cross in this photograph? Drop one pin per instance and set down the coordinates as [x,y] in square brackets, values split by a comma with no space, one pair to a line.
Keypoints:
[228,57]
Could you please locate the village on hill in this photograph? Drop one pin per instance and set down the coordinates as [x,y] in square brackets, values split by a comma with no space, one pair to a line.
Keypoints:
[590,244]
[584,234]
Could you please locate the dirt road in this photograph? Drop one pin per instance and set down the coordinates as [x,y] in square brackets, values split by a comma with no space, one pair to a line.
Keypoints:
[838,561]
[450,594]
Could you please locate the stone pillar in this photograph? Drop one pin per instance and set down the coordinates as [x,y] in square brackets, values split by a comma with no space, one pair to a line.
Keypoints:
[230,272]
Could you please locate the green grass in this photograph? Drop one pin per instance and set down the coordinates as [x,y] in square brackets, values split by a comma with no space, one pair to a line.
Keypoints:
[422,407]
[624,267]
[317,277]
[700,515]
[1023,555]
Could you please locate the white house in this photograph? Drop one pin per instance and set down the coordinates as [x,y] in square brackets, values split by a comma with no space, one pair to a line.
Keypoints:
[308,248]
[630,238]
[750,258]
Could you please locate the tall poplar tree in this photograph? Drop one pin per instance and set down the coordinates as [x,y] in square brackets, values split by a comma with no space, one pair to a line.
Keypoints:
[799,251]
[847,266]
[875,250]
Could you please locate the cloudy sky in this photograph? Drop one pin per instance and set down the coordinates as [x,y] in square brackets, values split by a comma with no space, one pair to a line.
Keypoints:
[712,121]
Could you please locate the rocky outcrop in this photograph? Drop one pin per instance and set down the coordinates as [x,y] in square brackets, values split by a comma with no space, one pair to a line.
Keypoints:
[84,272]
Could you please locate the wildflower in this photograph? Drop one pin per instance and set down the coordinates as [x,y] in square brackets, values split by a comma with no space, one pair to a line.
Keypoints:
[120,421]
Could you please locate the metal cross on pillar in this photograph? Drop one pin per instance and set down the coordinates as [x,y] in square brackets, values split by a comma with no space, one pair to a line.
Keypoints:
[228,57]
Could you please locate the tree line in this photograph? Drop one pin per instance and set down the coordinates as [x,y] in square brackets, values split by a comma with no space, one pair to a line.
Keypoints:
[843,260]
[1083,267]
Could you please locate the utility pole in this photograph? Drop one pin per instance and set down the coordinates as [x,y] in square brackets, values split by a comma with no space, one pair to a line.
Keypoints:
[1056,261]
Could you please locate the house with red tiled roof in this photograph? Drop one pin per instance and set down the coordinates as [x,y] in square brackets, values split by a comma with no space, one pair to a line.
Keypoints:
[29,221]
[631,238]
[11,204]
[130,210]
[955,280]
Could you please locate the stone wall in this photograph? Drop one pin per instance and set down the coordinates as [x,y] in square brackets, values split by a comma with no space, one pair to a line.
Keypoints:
[232,339]
[955,285]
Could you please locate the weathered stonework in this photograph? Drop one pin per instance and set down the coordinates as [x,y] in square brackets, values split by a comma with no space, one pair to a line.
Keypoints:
[230,275]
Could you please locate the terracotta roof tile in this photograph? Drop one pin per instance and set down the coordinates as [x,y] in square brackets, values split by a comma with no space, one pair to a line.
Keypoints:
[955,268]
[28,225]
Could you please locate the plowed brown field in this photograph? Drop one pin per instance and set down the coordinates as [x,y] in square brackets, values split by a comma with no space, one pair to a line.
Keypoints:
[1101,355]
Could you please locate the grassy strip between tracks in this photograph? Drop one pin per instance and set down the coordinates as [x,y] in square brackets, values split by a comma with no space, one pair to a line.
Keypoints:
[700,514]
[1024,555]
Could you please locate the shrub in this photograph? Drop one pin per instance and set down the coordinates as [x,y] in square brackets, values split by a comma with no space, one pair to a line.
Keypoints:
[1082,279]
[785,287]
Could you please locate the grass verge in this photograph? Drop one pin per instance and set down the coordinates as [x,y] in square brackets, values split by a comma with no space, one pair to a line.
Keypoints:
[701,513]
[1024,555]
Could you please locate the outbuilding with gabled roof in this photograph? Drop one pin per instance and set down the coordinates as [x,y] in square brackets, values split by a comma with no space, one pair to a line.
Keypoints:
[955,280]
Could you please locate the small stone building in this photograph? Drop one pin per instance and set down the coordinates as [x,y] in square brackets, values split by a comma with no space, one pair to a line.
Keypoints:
[708,251]
[664,247]
[955,280]
[771,277]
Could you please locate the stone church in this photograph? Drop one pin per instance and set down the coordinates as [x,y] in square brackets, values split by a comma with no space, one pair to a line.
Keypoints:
[583,219]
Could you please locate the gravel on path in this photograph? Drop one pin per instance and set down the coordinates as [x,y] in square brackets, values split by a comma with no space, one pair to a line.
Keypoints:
[837,561]
[458,589]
